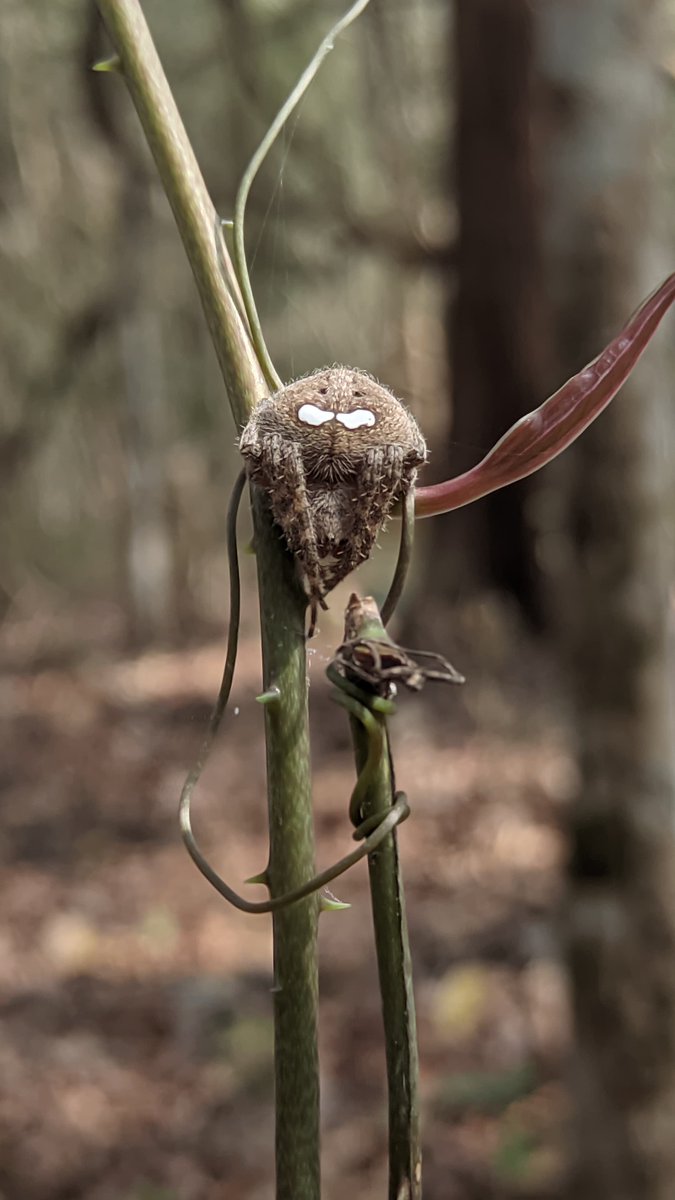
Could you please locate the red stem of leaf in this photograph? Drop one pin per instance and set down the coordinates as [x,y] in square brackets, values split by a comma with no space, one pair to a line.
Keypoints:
[543,434]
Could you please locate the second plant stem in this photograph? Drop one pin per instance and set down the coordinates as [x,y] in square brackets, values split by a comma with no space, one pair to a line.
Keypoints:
[393,953]
[291,863]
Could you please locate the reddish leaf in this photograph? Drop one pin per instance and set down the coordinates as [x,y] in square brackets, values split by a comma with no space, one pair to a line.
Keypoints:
[541,435]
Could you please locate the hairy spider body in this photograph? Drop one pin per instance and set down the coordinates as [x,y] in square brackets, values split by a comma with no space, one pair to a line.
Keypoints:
[334,451]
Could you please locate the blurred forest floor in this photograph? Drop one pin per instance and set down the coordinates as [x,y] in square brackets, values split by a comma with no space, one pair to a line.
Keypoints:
[136,1062]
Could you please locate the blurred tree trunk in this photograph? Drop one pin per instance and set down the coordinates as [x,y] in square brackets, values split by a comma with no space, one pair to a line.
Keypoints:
[496,323]
[602,98]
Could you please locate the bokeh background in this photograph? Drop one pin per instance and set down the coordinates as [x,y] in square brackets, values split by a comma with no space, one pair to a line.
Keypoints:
[469,203]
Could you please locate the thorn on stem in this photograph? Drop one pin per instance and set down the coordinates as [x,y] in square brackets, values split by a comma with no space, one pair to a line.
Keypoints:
[330,903]
[261,878]
[112,65]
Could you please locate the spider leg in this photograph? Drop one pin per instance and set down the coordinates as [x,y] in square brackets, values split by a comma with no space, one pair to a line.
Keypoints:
[281,470]
[382,480]
[378,481]
[313,617]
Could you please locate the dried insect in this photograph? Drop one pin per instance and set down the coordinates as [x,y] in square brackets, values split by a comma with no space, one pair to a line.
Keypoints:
[334,451]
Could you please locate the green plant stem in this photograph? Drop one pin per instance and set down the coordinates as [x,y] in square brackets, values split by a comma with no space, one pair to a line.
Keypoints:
[393,957]
[192,207]
[282,607]
[291,862]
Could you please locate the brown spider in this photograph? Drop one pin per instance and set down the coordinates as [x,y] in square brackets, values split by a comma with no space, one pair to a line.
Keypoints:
[334,451]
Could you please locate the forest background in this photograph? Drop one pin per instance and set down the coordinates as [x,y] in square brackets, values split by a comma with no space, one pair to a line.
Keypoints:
[469,203]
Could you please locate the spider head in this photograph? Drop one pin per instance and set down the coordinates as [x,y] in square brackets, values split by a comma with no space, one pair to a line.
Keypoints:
[336,414]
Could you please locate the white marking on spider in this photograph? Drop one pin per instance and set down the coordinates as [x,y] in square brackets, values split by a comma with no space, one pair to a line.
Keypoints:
[309,414]
[356,419]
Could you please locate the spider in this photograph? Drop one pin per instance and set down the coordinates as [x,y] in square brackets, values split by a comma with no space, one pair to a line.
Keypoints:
[334,451]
